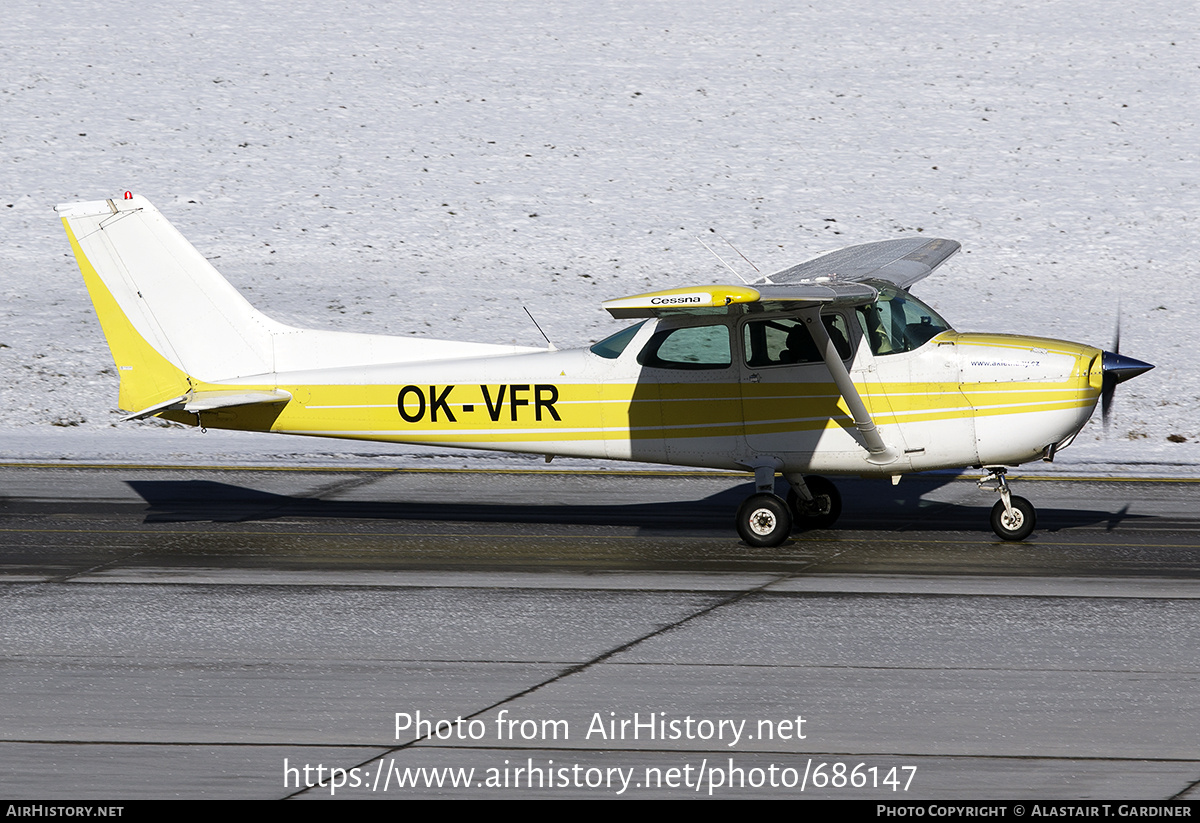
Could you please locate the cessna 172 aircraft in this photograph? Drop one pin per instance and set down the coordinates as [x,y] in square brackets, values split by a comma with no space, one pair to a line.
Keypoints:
[830,366]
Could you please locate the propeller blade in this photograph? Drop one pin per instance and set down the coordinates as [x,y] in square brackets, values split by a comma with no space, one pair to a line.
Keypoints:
[1108,388]
[1107,391]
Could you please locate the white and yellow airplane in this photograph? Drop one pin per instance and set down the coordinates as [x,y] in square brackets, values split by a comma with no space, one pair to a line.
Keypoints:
[829,367]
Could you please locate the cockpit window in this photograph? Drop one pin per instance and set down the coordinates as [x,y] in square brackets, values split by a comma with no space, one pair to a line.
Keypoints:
[612,346]
[898,322]
[785,340]
[689,347]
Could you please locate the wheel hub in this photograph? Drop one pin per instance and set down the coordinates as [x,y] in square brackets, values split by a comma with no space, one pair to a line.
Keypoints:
[1013,520]
[762,521]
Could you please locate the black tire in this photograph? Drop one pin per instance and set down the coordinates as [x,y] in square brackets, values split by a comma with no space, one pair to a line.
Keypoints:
[1020,525]
[763,520]
[825,509]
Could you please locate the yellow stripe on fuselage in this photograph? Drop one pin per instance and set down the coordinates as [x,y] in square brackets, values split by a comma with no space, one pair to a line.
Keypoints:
[462,413]
[479,414]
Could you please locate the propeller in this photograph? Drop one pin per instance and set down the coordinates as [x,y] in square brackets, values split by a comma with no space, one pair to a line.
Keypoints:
[1117,368]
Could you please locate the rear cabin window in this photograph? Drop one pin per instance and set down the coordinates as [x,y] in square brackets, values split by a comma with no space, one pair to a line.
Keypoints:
[690,347]
[612,346]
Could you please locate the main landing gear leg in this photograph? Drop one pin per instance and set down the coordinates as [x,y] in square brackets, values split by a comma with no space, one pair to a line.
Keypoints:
[763,519]
[1013,518]
[814,501]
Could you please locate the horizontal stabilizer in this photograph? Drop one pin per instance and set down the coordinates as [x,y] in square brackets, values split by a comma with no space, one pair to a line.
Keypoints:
[202,401]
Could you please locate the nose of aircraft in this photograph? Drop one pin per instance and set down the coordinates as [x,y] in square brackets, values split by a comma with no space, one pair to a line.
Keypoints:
[1117,368]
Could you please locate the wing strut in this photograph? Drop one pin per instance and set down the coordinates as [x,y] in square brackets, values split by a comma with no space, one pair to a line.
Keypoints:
[880,453]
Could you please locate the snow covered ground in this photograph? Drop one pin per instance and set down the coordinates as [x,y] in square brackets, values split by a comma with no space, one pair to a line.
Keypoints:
[429,168]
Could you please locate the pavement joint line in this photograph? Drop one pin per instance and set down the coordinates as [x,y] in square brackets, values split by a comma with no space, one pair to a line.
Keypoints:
[576,668]
[341,486]
[111,562]
[1183,793]
[733,598]
[318,493]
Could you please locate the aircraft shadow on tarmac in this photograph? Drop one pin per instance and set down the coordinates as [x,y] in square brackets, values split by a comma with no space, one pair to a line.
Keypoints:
[867,505]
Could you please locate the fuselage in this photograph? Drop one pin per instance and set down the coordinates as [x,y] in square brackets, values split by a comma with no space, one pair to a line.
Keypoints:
[688,390]
[830,366]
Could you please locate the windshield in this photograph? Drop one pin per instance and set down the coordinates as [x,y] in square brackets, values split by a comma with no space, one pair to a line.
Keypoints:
[898,322]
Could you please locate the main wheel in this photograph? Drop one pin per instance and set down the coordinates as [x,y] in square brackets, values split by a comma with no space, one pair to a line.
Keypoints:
[824,509]
[1019,524]
[763,520]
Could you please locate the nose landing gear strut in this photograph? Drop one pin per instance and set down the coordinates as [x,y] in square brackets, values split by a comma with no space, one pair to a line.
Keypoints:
[1013,517]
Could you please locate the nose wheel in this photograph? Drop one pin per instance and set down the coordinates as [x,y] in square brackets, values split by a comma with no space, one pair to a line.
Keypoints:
[1013,517]
[1016,524]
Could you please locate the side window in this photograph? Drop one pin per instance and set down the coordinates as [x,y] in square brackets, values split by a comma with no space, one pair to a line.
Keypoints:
[691,347]
[611,347]
[785,340]
[835,327]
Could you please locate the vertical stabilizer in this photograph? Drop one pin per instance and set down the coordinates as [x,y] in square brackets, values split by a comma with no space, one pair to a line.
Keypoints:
[167,314]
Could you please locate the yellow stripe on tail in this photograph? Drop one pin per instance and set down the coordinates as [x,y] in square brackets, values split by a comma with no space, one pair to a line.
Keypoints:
[147,378]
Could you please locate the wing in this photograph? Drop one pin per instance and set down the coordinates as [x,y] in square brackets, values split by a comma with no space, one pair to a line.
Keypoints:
[841,277]
[899,262]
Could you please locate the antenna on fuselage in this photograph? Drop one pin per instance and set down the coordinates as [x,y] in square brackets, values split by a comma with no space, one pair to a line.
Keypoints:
[539,328]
